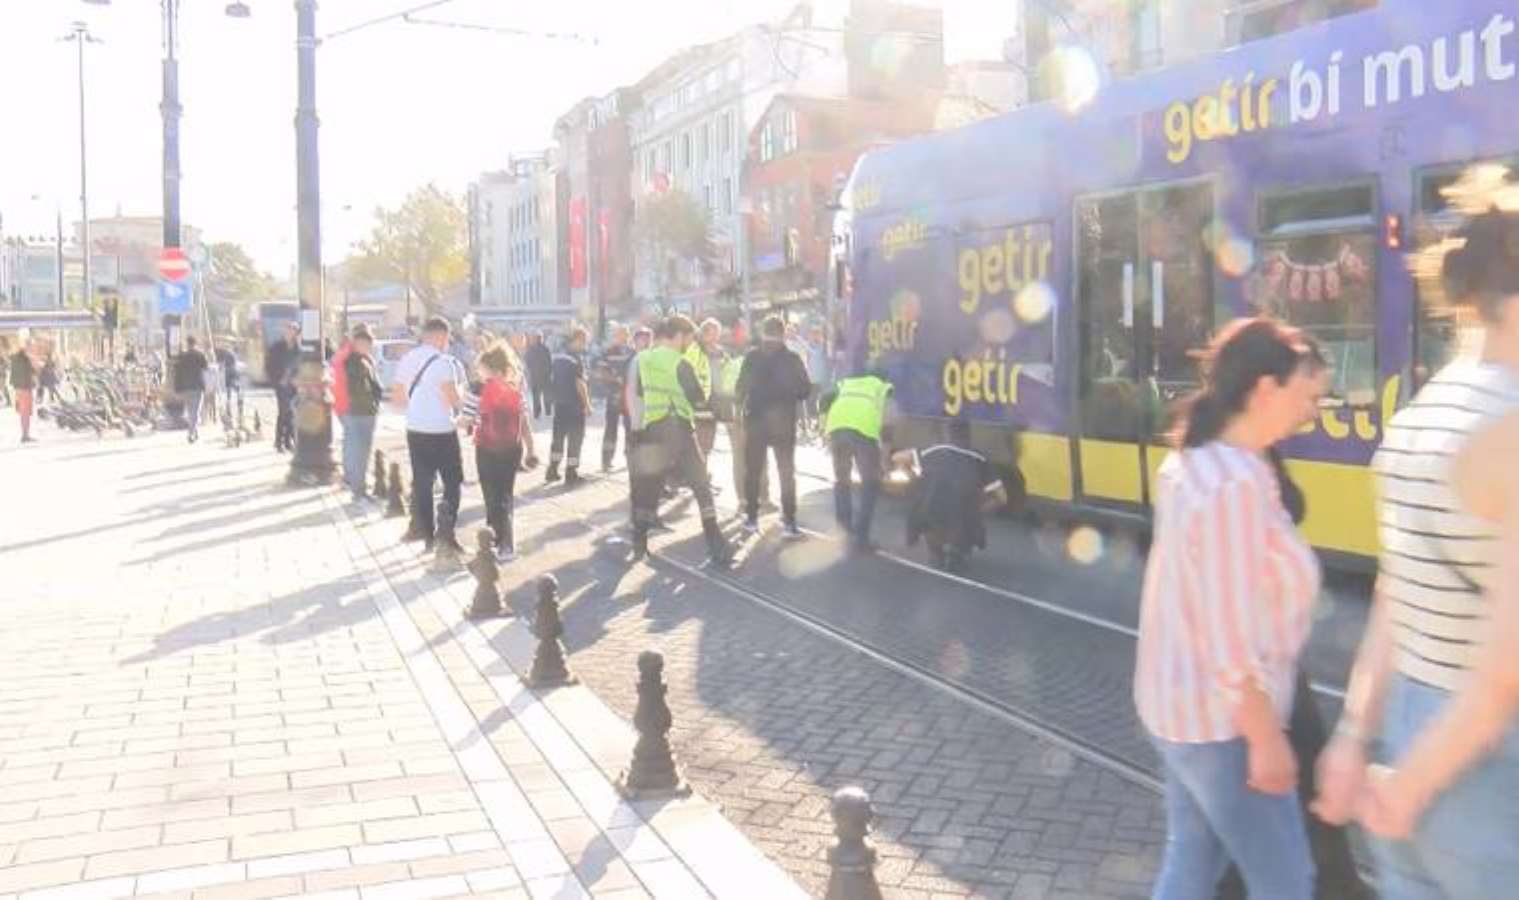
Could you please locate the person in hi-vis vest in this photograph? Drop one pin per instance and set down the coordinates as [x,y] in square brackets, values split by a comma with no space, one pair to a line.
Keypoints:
[665,394]
[855,413]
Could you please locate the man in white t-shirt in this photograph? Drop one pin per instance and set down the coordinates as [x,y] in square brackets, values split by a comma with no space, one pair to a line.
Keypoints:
[431,385]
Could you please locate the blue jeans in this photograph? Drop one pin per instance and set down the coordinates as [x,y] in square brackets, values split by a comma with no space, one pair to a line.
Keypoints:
[358,438]
[1212,816]
[192,401]
[1467,845]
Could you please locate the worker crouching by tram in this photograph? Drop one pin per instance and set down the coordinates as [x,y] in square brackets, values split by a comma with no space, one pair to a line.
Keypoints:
[664,395]
[855,419]
[955,487]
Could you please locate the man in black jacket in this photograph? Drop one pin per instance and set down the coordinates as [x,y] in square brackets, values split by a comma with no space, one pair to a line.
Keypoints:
[279,367]
[613,371]
[540,362]
[771,384]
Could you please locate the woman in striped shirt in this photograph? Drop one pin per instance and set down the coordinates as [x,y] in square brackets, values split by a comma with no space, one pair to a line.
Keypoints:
[1225,612]
[1437,677]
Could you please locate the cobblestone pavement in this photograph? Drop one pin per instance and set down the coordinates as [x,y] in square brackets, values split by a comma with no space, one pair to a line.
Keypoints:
[212,687]
[771,717]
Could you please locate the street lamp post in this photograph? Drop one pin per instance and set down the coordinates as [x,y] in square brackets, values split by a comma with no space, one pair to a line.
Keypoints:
[79,33]
[312,463]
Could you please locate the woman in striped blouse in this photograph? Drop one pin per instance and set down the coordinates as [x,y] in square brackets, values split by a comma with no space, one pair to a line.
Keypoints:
[1225,612]
[1437,677]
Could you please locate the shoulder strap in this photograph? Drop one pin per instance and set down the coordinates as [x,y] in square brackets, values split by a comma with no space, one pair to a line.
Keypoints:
[420,372]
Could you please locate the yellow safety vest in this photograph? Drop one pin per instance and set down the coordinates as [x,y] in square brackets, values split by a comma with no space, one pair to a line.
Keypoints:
[659,376]
[731,370]
[860,406]
[697,357]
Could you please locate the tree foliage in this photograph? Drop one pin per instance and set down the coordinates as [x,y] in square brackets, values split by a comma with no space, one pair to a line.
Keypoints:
[234,276]
[673,232]
[422,243]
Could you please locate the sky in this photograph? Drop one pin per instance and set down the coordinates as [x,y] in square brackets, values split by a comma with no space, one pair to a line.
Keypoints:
[400,104]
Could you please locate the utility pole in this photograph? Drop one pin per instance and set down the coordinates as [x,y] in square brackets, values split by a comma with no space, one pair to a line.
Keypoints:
[312,463]
[170,110]
[79,33]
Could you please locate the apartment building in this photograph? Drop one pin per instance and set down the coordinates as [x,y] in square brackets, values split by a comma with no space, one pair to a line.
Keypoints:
[516,219]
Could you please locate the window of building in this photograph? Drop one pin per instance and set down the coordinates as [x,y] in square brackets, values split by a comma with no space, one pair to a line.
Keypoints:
[730,199]
[725,132]
[767,143]
[685,152]
[714,80]
[707,198]
[1316,268]
[1148,42]
[664,157]
[1252,20]
[485,277]
[650,165]
[788,131]
[704,149]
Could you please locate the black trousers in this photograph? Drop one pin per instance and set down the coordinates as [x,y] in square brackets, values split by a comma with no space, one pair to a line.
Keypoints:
[854,451]
[498,481]
[617,417]
[284,417]
[541,401]
[667,452]
[569,434]
[434,456]
[771,431]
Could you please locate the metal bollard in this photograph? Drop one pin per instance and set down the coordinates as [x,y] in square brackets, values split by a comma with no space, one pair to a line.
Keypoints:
[852,861]
[379,473]
[652,771]
[548,662]
[396,507]
[487,600]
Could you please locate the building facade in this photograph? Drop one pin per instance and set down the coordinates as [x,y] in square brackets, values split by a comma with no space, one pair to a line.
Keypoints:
[517,216]
[802,150]
[596,158]
[691,130]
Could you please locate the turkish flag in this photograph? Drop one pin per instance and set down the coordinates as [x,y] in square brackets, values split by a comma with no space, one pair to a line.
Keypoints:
[577,242]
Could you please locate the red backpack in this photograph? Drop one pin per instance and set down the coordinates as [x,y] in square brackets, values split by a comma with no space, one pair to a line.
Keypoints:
[340,380]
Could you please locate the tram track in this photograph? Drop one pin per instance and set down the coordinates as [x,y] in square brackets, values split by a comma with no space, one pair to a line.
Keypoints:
[1041,723]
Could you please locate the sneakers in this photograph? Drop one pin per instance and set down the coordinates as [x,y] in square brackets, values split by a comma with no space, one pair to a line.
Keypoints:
[414,534]
[506,554]
[719,560]
[751,526]
[449,547]
[572,478]
[551,474]
[791,532]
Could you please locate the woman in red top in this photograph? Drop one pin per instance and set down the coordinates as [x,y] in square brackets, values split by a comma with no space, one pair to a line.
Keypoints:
[501,441]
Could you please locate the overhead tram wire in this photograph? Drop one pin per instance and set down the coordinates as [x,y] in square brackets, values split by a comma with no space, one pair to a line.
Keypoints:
[504,30]
[388,17]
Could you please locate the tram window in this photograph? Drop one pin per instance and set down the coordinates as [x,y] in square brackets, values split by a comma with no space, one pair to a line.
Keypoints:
[1316,268]
[1444,332]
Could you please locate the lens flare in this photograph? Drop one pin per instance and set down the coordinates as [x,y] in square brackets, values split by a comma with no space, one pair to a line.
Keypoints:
[997,327]
[1034,303]
[1072,76]
[809,558]
[1084,545]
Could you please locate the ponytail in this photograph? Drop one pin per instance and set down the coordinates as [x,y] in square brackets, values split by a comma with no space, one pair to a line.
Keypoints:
[1293,499]
[1202,419]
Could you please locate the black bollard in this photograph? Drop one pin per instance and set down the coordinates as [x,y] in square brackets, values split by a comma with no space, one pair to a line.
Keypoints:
[396,507]
[379,474]
[548,662]
[652,771]
[487,602]
[852,862]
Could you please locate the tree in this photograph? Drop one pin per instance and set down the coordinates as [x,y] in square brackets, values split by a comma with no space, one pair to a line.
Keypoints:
[423,244]
[234,276]
[670,229]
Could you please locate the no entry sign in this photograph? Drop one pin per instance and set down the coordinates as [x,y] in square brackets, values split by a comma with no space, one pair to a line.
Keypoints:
[173,265]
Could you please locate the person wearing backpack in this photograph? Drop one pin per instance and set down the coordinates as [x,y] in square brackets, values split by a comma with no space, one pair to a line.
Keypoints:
[430,385]
[503,443]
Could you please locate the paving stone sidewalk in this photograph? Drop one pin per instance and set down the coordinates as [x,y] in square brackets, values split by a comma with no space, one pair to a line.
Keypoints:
[211,687]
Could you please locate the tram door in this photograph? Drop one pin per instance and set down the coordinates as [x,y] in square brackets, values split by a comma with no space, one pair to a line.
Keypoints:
[1146,303]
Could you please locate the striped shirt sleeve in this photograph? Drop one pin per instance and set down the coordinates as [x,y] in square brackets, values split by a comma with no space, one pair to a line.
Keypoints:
[1229,536]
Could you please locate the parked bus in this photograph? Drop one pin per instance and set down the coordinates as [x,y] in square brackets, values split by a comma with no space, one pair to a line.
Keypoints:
[264,324]
[1048,274]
